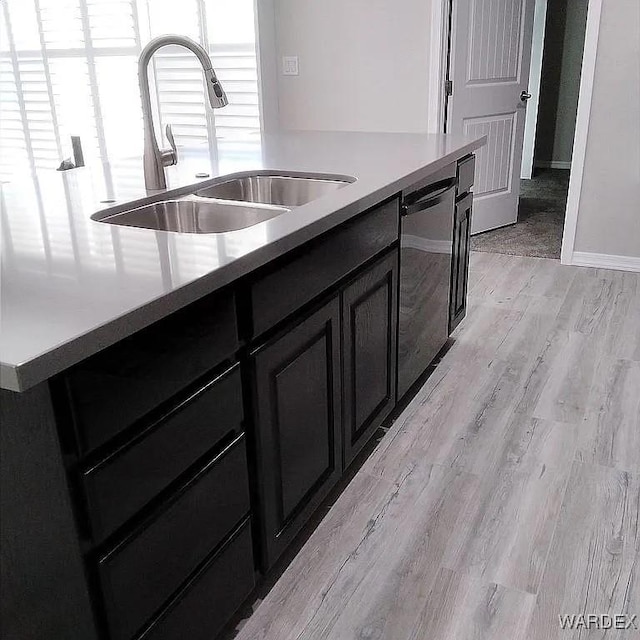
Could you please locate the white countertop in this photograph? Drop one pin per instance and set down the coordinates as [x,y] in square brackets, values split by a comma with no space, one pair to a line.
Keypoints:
[71,286]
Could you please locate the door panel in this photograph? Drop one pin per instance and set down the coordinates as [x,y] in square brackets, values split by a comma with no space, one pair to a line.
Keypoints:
[425,274]
[298,425]
[494,159]
[490,55]
[370,316]
[494,40]
[305,440]
[460,261]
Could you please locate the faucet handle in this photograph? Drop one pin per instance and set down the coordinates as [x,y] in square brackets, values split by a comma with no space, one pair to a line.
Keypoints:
[169,156]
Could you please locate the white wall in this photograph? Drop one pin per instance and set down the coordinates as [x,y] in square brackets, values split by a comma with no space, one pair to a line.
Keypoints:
[364,64]
[563,46]
[609,208]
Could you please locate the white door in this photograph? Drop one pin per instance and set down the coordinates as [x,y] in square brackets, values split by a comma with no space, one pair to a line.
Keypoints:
[490,57]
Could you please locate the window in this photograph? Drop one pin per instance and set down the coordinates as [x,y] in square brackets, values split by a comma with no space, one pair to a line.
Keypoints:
[69,67]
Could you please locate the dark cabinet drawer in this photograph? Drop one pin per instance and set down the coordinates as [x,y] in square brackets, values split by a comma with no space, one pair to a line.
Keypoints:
[466,172]
[325,262]
[123,483]
[142,572]
[111,390]
[206,604]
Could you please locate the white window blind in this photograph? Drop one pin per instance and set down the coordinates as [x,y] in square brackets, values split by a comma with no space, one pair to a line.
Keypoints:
[69,67]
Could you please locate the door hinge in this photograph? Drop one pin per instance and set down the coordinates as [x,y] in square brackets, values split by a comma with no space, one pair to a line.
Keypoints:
[448,88]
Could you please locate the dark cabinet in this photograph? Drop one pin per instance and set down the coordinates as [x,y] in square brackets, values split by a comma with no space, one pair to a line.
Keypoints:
[466,174]
[298,424]
[126,481]
[149,368]
[153,432]
[369,324]
[320,265]
[460,261]
[142,571]
[203,606]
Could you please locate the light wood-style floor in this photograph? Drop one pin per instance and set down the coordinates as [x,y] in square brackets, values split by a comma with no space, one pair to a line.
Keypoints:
[508,491]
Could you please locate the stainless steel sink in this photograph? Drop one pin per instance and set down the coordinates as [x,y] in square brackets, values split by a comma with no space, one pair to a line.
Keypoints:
[192,216]
[287,191]
[228,205]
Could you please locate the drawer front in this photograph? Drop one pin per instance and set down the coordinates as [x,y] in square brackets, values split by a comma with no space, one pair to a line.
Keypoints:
[208,602]
[121,485]
[143,572]
[466,172]
[111,390]
[298,281]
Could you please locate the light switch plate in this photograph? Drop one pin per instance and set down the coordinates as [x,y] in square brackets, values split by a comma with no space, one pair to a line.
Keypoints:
[290,65]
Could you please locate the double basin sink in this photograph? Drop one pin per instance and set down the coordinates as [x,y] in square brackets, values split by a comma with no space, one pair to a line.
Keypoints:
[228,204]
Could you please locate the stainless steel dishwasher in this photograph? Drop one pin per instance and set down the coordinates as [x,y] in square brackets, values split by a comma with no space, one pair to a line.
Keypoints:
[426,240]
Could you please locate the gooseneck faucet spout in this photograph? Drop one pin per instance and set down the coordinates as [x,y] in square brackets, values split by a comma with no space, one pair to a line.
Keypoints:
[156,159]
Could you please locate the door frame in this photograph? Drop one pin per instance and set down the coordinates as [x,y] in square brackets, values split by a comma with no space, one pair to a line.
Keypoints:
[594,10]
[438,52]
[535,77]
[440,49]
[266,48]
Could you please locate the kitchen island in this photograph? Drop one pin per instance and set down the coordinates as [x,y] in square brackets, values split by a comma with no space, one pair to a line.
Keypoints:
[176,406]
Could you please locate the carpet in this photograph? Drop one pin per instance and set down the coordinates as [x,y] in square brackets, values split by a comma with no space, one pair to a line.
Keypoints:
[538,232]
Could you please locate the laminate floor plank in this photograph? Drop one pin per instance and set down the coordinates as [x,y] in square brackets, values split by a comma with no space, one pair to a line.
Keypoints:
[432,425]
[507,528]
[552,280]
[523,277]
[383,586]
[505,493]
[610,432]
[621,336]
[594,561]
[590,301]
[532,352]
[378,589]
[567,387]
[462,607]
[486,272]
[293,600]
[487,329]
[444,424]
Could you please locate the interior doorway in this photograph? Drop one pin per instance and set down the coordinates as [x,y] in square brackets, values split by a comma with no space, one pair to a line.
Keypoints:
[554,82]
[553,78]
[541,213]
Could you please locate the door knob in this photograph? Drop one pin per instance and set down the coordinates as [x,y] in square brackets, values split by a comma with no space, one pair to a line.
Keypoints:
[524,96]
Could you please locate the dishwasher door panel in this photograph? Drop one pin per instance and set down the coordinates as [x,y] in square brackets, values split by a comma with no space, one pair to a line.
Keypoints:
[425,274]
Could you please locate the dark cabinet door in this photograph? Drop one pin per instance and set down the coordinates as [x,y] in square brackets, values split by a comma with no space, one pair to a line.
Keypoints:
[460,264]
[298,425]
[369,321]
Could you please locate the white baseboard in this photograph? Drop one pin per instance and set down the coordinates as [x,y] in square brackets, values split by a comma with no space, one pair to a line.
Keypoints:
[605,261]
[553,164]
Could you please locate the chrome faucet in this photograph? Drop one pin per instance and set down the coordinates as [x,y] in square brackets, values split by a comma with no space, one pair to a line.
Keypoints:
[156,159]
